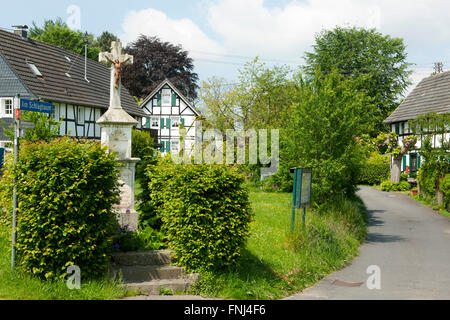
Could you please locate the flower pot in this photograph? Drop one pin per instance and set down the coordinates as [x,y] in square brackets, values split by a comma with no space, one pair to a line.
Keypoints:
[414,192]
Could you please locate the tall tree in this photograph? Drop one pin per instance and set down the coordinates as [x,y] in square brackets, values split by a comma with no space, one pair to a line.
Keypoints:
[378,61]
[155,61]
[104,41]
[57,32]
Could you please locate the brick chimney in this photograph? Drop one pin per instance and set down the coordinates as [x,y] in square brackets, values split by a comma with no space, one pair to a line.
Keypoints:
[21,31]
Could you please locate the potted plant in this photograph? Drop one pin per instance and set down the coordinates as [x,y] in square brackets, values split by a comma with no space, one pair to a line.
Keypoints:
[414,191]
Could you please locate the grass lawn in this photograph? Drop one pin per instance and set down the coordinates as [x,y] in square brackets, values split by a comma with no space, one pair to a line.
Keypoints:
[275,263]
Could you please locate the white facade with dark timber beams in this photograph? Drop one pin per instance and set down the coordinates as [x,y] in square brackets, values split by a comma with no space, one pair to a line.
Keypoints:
[78,89]
[432,94]
[168,111]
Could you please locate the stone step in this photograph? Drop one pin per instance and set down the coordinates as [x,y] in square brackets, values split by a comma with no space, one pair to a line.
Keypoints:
[143,258]
[147,273]
[156,287]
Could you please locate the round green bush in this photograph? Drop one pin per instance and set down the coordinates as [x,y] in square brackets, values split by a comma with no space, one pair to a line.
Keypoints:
[205,212]
[66,190]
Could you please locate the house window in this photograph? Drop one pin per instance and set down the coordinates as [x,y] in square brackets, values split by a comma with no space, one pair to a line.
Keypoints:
[155,122]
[8,107]
[175,122]
[80,115]
[175,146]
[166,98]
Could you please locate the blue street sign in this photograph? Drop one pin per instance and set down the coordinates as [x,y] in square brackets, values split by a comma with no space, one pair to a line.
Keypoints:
[36,106]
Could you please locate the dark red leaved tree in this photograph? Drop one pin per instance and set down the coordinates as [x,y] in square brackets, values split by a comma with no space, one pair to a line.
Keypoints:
[155,61]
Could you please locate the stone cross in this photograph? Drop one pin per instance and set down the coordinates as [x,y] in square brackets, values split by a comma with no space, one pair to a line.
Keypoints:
[116,134]
[117,59]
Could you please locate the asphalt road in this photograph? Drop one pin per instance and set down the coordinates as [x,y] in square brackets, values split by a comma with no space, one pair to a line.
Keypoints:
[407,242]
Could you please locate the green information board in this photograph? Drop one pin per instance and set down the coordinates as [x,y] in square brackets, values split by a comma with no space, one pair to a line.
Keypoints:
[301,197]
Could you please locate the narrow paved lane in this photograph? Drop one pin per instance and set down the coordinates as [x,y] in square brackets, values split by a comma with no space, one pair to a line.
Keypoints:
[410,243]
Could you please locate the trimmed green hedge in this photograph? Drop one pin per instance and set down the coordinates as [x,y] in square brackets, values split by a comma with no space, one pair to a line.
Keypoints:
[204,209]
[374,174]
[66,190]
[393,186]
[445,186]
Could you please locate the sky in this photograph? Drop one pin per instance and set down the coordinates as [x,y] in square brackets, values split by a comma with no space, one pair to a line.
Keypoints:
[222,35]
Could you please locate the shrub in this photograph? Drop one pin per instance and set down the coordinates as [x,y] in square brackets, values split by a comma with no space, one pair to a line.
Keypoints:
[374,174]
[204,209]
[395,186]
[142,147]
[445,187]
[66,190]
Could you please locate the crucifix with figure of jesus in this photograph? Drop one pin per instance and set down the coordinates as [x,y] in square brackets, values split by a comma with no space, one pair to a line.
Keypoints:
[117,59]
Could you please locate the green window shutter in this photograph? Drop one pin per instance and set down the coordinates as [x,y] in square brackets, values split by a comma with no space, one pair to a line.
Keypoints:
[418,161]
[163,149]
[404,163]
[147,125]
[168,123]
[168,146]
[182,121]
[174,99]
[159,97]
[162,123]
[410,162]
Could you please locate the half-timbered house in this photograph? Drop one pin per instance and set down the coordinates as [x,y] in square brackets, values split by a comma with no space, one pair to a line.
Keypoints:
[432,94]
[167,111]
[77,87]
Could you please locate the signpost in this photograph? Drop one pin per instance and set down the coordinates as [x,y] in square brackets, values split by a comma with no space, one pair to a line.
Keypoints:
[301,197]
[26,105]
[36,106]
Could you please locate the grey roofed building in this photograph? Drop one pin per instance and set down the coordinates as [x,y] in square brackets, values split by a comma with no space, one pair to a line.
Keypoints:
[432,94]
[63,75]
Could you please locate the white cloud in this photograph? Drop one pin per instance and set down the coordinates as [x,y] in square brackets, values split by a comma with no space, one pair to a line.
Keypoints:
[152,22]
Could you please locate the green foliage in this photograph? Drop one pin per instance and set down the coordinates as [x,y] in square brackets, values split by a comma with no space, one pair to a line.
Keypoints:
[142,148]
[56,32]
[327,117]
[375,169]
[276,263]
[131,240]
[204,211]
[395,186]
[46,128]
[445,187]
[66,190]
[377,62]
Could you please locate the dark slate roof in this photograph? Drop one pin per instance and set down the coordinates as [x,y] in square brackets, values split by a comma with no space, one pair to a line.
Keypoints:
[55,85]
[432,94]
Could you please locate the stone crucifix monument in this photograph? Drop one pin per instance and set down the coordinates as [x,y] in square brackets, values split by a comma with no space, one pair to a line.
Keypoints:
[117,127]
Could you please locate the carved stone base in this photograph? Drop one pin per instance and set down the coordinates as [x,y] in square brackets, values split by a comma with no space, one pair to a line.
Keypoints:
[127,218]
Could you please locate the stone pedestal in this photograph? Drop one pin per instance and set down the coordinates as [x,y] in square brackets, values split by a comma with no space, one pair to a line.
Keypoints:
[117,128]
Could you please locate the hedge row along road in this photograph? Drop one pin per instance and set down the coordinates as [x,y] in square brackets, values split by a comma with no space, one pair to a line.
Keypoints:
[407,241]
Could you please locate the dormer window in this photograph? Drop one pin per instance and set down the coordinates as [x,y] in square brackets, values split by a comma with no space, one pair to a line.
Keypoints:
[35,69]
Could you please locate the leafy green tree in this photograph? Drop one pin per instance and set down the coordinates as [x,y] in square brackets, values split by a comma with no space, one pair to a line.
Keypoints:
[45,127]
[322,134]
[56,32]
[377,61]
[103,42]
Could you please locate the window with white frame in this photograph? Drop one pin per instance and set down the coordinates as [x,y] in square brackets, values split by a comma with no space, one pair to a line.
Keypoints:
[8,107]
[166,97]
[80,115]
[155,122]
[175,146]
[175,122]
